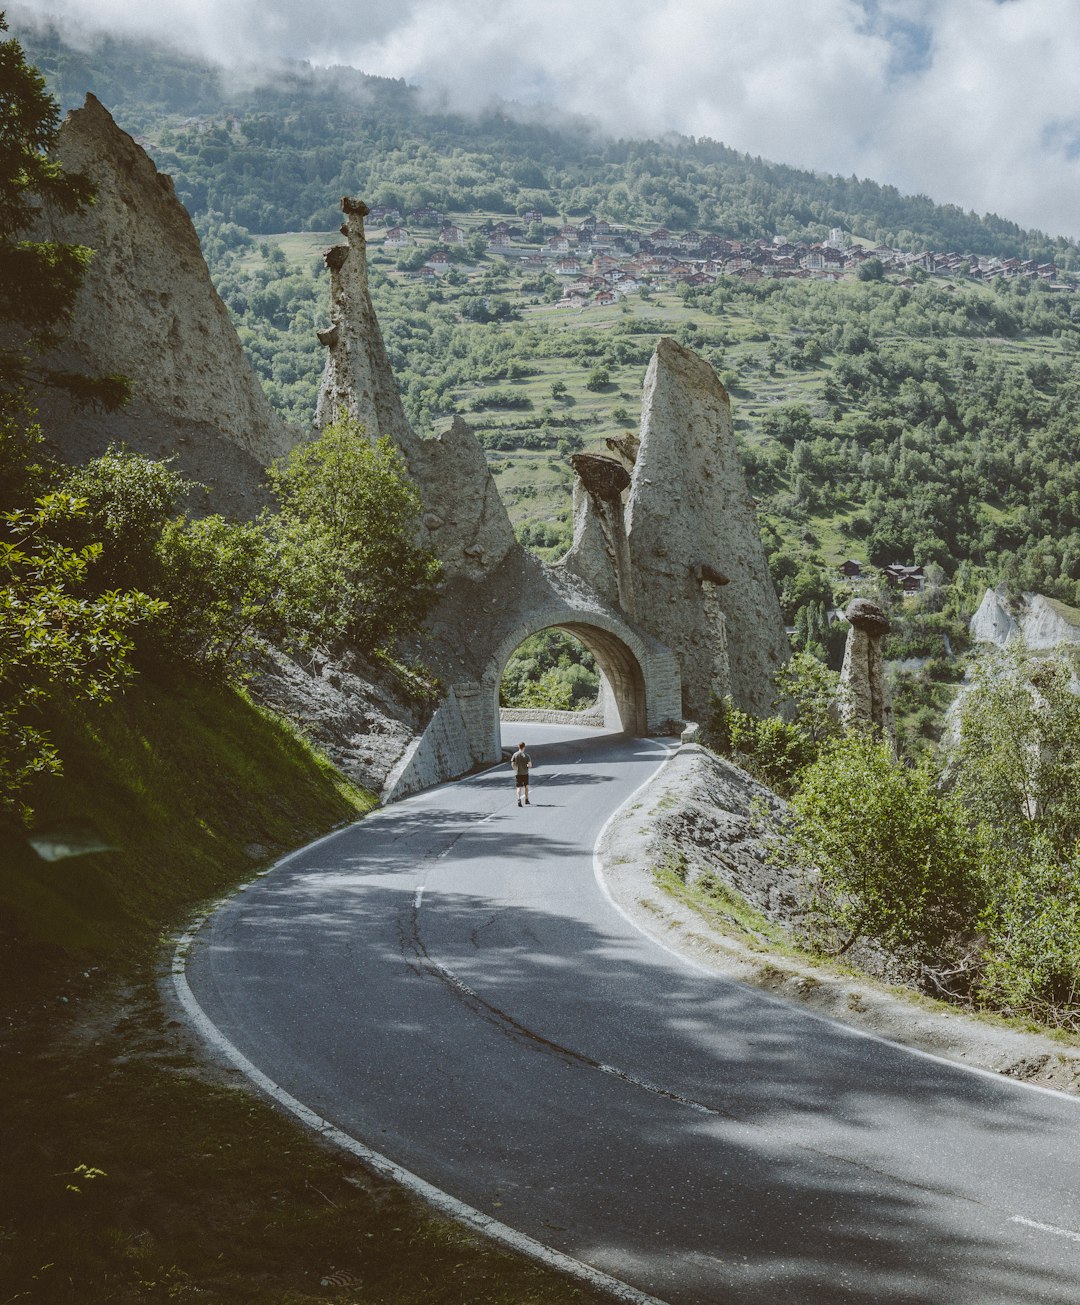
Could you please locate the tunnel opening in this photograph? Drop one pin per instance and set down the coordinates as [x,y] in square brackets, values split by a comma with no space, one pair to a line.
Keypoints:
[551,670]
[616,697]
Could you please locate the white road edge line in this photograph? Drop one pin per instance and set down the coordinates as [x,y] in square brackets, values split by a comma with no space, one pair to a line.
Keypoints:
[1046,1227]
[690,963]
[434,1196]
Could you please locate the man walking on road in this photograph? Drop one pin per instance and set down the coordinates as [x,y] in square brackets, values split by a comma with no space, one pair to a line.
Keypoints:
[521,763]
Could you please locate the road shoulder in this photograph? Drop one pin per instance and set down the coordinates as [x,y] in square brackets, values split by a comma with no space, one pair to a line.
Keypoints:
[639,839]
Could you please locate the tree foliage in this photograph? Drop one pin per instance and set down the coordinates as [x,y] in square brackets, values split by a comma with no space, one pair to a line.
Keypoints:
[349,568]
[57,635]
[896,862]
[1016,765]
[550,670]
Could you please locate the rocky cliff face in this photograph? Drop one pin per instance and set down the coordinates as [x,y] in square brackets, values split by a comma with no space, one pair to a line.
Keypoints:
[1041,622]
[701,582]
[148,310]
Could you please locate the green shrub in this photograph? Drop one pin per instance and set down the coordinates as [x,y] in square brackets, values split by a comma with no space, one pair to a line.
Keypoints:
[1030,963]
[895,861]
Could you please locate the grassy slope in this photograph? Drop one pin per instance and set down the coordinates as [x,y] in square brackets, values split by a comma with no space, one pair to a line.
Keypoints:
[205,1192]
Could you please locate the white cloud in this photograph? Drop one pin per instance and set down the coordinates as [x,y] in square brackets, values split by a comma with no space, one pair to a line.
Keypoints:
[973,102]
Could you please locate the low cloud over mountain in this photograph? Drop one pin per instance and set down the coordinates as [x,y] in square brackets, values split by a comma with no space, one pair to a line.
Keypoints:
[973,102]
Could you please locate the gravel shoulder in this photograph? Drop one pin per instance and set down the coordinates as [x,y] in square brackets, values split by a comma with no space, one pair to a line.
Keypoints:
[697,808]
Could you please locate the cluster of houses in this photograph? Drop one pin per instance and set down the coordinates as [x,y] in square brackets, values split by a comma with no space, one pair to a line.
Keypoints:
[603,261]
[909,579]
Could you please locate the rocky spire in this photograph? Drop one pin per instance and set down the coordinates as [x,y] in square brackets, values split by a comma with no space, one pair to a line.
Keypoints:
[357,376]
[864,695]
[701,583]
[464,520]
[599,553]
[147,309]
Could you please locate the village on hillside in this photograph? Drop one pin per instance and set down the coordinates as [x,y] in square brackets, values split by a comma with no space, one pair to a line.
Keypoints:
[604,261]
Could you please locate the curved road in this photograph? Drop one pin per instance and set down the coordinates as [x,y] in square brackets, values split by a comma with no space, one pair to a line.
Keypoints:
[448,983]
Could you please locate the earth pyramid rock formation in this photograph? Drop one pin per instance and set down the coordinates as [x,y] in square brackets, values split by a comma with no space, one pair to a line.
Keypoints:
[864,695]
[148,310]
[641,585]
[701,581]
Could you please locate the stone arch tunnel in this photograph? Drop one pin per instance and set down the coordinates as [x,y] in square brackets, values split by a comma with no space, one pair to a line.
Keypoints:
[640,680]
[666,581]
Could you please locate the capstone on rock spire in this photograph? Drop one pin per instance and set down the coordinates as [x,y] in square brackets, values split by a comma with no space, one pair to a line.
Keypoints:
[358,377]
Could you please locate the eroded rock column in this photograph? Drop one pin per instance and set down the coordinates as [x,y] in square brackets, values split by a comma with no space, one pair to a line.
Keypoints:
[701,583]
[358,377]
[864,696]
[599,553]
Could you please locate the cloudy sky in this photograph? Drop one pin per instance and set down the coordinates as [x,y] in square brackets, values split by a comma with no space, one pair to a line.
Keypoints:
[974,102]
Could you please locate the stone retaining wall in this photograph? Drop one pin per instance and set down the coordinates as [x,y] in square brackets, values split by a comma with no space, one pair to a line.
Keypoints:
[592,716]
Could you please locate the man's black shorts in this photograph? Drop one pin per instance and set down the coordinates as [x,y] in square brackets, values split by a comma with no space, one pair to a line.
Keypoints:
[522,781]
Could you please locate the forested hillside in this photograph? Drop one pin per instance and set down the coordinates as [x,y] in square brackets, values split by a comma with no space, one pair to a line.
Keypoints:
[301,137]
[897,417]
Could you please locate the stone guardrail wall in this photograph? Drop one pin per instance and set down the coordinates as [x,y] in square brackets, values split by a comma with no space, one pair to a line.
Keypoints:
[593,716]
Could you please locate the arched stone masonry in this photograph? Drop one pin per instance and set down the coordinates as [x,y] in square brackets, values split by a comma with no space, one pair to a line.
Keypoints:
[666,581]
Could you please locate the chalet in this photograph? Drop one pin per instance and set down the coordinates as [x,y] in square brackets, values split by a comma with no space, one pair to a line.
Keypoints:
[851,569]
[567,267]
[426,216]
[559,245]
[383,216]
[532,261]
[452,235]
[438,261]
[569,232]
[910,579]
[603,297]
[397,238]
[532,217]
[662,237]
[499,240]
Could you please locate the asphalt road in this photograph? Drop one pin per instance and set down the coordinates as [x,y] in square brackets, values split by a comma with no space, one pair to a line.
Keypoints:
[448,983]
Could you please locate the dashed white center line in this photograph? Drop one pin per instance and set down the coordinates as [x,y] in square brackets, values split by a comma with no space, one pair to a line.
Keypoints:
[1046,1227]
